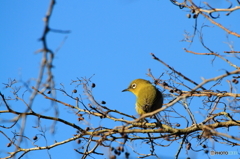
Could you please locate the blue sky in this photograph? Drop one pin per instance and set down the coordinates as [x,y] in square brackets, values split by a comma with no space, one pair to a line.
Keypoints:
[111,39]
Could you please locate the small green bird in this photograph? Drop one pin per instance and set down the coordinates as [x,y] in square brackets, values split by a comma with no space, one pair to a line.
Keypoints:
[149,98]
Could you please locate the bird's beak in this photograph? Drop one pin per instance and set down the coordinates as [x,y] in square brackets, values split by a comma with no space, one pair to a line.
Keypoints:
[125,90]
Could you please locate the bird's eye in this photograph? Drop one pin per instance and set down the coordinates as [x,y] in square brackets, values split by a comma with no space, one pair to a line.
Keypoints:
[134,85]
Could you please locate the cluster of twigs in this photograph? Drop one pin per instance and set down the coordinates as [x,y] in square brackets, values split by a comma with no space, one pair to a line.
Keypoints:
[130,128]
[104,136]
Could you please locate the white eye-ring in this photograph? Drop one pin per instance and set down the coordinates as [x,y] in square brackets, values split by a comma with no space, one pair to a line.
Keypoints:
[134,85]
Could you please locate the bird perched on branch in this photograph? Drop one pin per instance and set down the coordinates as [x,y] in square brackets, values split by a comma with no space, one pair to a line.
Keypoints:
[149,98]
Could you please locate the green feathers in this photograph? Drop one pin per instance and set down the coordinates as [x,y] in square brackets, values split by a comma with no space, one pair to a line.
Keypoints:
[149,98]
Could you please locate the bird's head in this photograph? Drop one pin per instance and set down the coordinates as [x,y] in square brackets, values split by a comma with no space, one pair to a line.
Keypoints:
[136,85]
